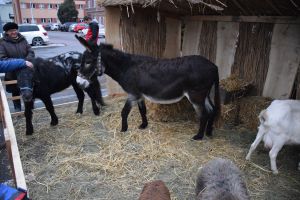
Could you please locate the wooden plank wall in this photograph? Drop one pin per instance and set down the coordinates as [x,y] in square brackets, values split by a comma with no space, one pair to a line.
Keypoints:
[284,61]
[262,50]
[227,37]
[191,38]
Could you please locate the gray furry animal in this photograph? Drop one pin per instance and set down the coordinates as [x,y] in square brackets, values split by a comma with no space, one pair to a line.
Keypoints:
[220,179]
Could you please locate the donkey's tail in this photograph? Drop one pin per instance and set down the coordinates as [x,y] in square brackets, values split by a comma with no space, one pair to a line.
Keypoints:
[217,98]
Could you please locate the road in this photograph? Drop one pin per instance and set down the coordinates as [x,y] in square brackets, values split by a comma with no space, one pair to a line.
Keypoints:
[60,42]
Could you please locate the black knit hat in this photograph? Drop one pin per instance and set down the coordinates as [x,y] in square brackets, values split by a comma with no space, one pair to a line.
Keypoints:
[9,26]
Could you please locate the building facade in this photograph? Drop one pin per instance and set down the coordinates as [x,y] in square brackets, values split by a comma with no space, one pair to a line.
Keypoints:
[42,11]
[95,11]
[7,13]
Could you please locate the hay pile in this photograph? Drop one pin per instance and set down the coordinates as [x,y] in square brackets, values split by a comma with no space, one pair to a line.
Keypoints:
[182,110]
[86,157]
[250,107]
[243,112]
[233,83]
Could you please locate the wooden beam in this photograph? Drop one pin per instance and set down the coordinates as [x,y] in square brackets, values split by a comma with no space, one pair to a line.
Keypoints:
[10,134]
[261,19]
[14,97]
[10,82]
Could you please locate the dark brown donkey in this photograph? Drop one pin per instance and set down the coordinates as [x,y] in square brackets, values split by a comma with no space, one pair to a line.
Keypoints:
[158,80]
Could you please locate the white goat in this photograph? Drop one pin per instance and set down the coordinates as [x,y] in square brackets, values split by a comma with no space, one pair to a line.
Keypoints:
[279,125]
[220,179]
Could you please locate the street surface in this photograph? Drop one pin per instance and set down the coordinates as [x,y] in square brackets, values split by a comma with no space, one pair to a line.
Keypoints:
[60,42]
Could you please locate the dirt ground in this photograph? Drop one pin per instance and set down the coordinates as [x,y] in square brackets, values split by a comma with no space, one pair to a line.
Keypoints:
[86,157]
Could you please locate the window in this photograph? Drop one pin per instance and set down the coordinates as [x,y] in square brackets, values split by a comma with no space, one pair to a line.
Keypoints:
[32,5]
[80,6]
[28,28]
[43,20]
[42,6]
[57,6]
[95,4]
[50,6]
[49,20]
[89,3]
[23,5]
[26,20]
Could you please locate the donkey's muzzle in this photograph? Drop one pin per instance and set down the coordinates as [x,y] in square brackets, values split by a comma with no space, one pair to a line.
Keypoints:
[83,83]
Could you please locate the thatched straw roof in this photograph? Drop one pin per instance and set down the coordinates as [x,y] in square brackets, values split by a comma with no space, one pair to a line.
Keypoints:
[216,7]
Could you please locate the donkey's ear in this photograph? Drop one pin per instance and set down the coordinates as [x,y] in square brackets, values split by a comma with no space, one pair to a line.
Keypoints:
[84,43]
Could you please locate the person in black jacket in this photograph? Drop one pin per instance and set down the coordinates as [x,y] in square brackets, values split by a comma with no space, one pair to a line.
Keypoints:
[14,45]
[93,30]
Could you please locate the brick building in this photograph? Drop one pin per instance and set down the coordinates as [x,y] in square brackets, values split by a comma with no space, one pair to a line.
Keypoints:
[42,11]
[95,11]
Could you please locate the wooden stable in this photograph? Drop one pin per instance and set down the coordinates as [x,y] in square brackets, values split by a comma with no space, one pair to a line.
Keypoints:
[11,142]
[257,40]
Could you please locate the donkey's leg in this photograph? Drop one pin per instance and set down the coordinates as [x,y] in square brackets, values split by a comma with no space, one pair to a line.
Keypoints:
[210,108]
[143,111]
[203,123]
[91,90]
[49,106]
[125,112]
[80,96]
[197,99]
[28,116]
[95,107]
[98,93]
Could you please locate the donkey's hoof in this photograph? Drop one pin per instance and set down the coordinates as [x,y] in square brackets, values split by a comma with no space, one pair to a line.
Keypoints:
[198,137]
[79,112]
[96,112]
[54,122]
[29,132]
[124,129]
[143,126]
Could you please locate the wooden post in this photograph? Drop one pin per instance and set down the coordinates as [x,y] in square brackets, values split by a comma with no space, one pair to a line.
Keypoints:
[112,36]
[11,143]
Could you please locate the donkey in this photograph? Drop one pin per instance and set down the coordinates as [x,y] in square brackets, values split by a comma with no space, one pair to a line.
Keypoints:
[50,76]
[158,80]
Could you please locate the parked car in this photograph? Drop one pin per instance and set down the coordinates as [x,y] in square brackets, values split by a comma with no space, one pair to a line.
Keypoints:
[80,26]
[35,35]
[71,27]
[47,27]
[66,25]
[55,27]
[101,31]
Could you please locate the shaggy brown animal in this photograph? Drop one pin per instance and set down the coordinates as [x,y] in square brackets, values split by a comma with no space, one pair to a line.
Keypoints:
[155,190]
